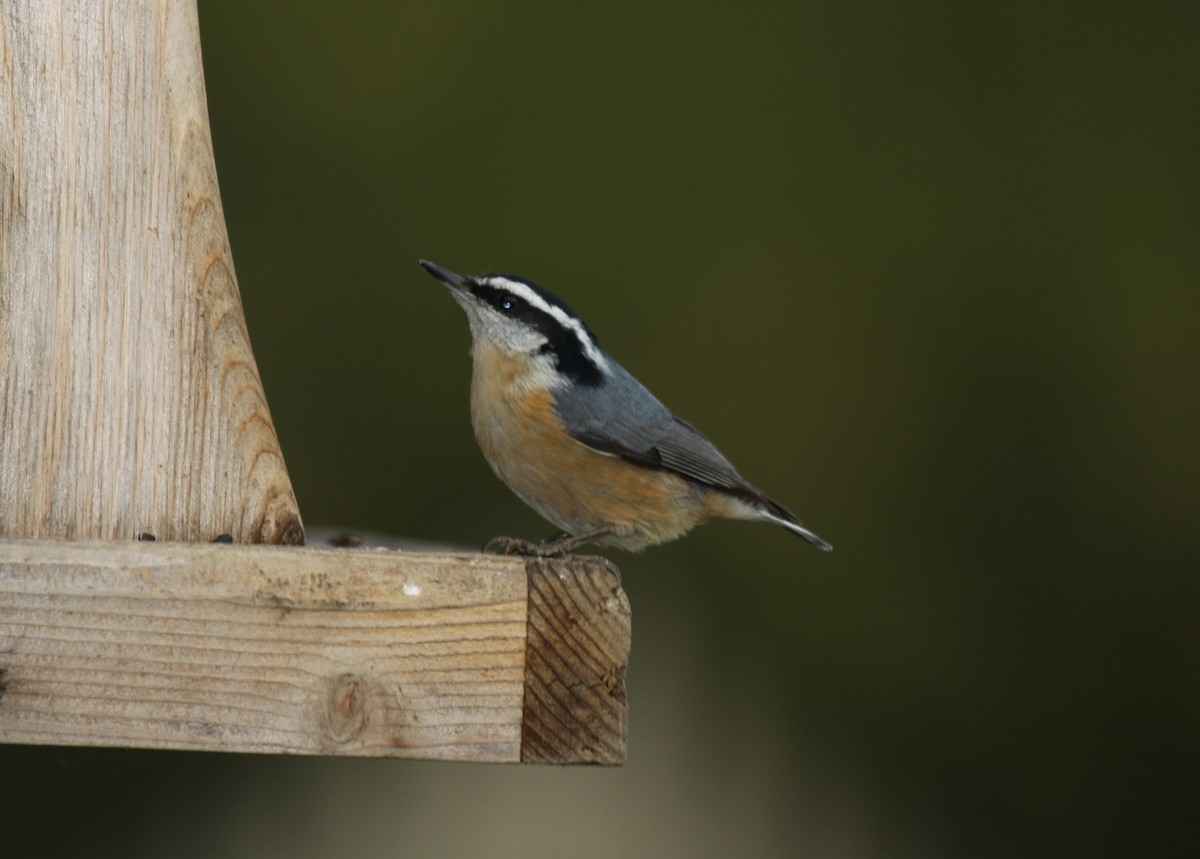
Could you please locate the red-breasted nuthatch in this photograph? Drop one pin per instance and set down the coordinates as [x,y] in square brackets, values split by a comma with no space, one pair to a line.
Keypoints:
[580,440]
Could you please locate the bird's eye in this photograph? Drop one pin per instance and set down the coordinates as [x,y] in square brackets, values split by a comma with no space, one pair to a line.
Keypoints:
[506,301]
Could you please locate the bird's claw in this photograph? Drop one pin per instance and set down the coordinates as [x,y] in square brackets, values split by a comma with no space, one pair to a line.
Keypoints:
[517,546]
[552,547]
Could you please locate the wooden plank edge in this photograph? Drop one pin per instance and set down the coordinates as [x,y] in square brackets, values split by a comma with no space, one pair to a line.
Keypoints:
[577,653]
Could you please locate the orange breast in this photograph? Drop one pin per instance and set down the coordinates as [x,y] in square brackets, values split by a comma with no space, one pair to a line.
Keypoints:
[567,482]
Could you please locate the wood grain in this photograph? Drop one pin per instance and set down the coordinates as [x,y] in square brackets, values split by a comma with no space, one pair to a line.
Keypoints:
[579,631]
[312,651]
[258,649]
[130,401]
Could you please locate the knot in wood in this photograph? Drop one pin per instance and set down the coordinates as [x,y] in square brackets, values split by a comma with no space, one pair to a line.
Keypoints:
[347,708]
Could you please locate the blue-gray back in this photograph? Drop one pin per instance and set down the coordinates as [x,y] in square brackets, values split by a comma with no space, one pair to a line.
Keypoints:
[623,418]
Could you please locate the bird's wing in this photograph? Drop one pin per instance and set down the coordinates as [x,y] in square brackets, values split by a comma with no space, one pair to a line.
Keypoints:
[624,419]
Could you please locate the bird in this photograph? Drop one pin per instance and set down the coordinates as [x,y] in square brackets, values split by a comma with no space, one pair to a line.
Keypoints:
[579,439]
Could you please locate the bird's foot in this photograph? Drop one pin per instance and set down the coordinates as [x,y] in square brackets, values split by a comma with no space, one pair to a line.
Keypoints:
[551,547]
[514,546]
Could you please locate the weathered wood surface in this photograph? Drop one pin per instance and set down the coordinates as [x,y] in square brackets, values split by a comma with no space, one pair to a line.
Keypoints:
[576,654]
[129,397]
[314,651]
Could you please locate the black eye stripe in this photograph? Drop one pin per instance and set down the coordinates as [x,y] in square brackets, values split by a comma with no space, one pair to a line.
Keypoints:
[563,342]
[501,299]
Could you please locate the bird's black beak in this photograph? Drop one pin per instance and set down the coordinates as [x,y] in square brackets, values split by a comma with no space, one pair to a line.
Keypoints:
[456,282]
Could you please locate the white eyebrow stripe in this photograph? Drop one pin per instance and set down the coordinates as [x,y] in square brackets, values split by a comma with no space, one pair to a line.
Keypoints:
[561,316]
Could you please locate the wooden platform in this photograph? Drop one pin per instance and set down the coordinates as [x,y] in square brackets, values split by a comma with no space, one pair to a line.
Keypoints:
[312,651]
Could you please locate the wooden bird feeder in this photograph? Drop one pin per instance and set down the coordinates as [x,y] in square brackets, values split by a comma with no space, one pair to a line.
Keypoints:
[130,404]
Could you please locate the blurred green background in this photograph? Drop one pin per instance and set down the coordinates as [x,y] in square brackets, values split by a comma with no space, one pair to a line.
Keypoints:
[929,273]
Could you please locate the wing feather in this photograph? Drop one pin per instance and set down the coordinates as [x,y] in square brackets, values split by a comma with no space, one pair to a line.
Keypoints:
[624,419]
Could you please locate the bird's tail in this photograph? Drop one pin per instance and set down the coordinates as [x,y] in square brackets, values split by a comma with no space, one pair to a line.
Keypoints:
[773,511]
[801,531]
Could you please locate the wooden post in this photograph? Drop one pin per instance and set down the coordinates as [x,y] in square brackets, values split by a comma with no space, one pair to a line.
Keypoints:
[312,651]
[130,404]
[129,397]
